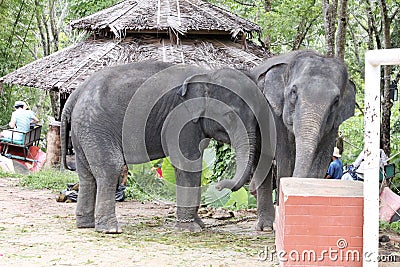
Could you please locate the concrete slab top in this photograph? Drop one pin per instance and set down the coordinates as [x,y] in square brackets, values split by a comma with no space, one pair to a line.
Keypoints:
[292,186]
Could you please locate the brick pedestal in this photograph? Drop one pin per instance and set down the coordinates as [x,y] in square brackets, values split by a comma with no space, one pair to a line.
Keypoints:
[319,222]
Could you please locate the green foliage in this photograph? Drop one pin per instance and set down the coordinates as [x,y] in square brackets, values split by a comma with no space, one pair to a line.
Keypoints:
[396,127]
[82,8]
[10,175]
[394,226]
[17,35]
[144,185]
[225,164]
[214,197]
[284,23]
[31,96]
[238,200]
[168,171]
[352,131]
[49,179]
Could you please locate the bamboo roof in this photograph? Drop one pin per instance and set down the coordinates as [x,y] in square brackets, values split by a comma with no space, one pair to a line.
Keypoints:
[65,70]
[178,16]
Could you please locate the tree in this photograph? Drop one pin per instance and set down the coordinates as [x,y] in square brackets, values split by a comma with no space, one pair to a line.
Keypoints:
[335,13]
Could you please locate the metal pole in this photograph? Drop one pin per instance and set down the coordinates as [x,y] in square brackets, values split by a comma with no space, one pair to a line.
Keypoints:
[373,60]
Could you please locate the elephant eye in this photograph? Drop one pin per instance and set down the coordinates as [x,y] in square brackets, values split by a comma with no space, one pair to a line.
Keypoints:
[293,94]
[336,101]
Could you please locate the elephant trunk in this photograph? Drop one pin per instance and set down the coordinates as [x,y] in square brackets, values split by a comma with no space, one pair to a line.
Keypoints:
[245,156]
[307,139]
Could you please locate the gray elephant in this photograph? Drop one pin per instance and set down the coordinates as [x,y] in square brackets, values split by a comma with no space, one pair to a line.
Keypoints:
[139,112]
[310,96]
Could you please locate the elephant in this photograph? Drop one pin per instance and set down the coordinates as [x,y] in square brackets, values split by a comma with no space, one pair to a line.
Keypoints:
[310,95]
[134,113]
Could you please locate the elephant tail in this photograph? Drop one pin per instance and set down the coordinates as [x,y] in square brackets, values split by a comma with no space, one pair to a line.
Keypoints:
[65,128]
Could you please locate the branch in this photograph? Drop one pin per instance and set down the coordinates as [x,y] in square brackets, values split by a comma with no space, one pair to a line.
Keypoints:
[24,44]
[359,22]
[394,14]
[26,34]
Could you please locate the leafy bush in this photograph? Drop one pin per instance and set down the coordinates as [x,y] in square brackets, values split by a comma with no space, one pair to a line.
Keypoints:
[225,163]
[144,185]
[394,226]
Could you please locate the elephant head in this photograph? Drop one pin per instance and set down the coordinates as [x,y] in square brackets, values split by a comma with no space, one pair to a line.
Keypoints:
[310,96]
[229,107]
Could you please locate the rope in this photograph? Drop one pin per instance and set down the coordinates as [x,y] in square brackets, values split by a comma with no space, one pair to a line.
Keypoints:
[247,218]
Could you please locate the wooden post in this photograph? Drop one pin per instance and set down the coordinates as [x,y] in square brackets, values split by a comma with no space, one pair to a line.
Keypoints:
[53,153]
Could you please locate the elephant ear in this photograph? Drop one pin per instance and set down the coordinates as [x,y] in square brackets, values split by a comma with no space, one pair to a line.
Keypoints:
[274,87]
[271,78]
[142,103]
[187,91]
[347,104]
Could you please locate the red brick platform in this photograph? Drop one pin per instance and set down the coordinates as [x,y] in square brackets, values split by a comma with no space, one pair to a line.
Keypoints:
[319,222]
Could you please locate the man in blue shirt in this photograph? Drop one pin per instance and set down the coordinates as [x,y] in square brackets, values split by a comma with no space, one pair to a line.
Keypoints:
[335,170]
[21,120]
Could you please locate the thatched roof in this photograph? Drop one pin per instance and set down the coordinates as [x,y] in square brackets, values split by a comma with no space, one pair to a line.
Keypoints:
[133,31]
[178,16]
[66,69]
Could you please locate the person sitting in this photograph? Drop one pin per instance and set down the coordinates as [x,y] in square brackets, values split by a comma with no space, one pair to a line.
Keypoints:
[21,120]
[335,170]
[356,170]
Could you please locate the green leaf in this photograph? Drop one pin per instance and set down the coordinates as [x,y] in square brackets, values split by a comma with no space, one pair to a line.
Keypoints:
[168,171]
[238,200]
[215,198]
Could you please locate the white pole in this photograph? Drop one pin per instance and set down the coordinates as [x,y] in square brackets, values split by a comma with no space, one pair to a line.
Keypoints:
[373,60]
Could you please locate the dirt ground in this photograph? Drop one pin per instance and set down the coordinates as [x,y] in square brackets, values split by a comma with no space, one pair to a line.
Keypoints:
[35,230]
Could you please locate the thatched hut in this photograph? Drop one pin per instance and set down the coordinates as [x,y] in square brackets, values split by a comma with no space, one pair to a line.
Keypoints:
[180,31]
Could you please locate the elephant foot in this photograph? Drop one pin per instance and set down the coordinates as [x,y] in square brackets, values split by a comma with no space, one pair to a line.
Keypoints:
[85,221]
[199,221]
[191,226]
[264,225]
[112,230]
[109,226]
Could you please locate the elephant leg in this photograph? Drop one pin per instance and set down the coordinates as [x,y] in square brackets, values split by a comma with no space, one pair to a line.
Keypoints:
[265,207]
[86,194]
[107,177]
[188,193]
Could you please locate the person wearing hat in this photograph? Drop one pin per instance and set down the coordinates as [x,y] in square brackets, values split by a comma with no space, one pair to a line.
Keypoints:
[335,170]
[21,120]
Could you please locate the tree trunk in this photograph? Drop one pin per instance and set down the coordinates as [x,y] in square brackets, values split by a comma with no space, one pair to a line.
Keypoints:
[386,103]
[372,30]
[49,35]
[341,32]
[267,9]
[53,25]
[53,146]
[44,33]
[329,9]
[55,104]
